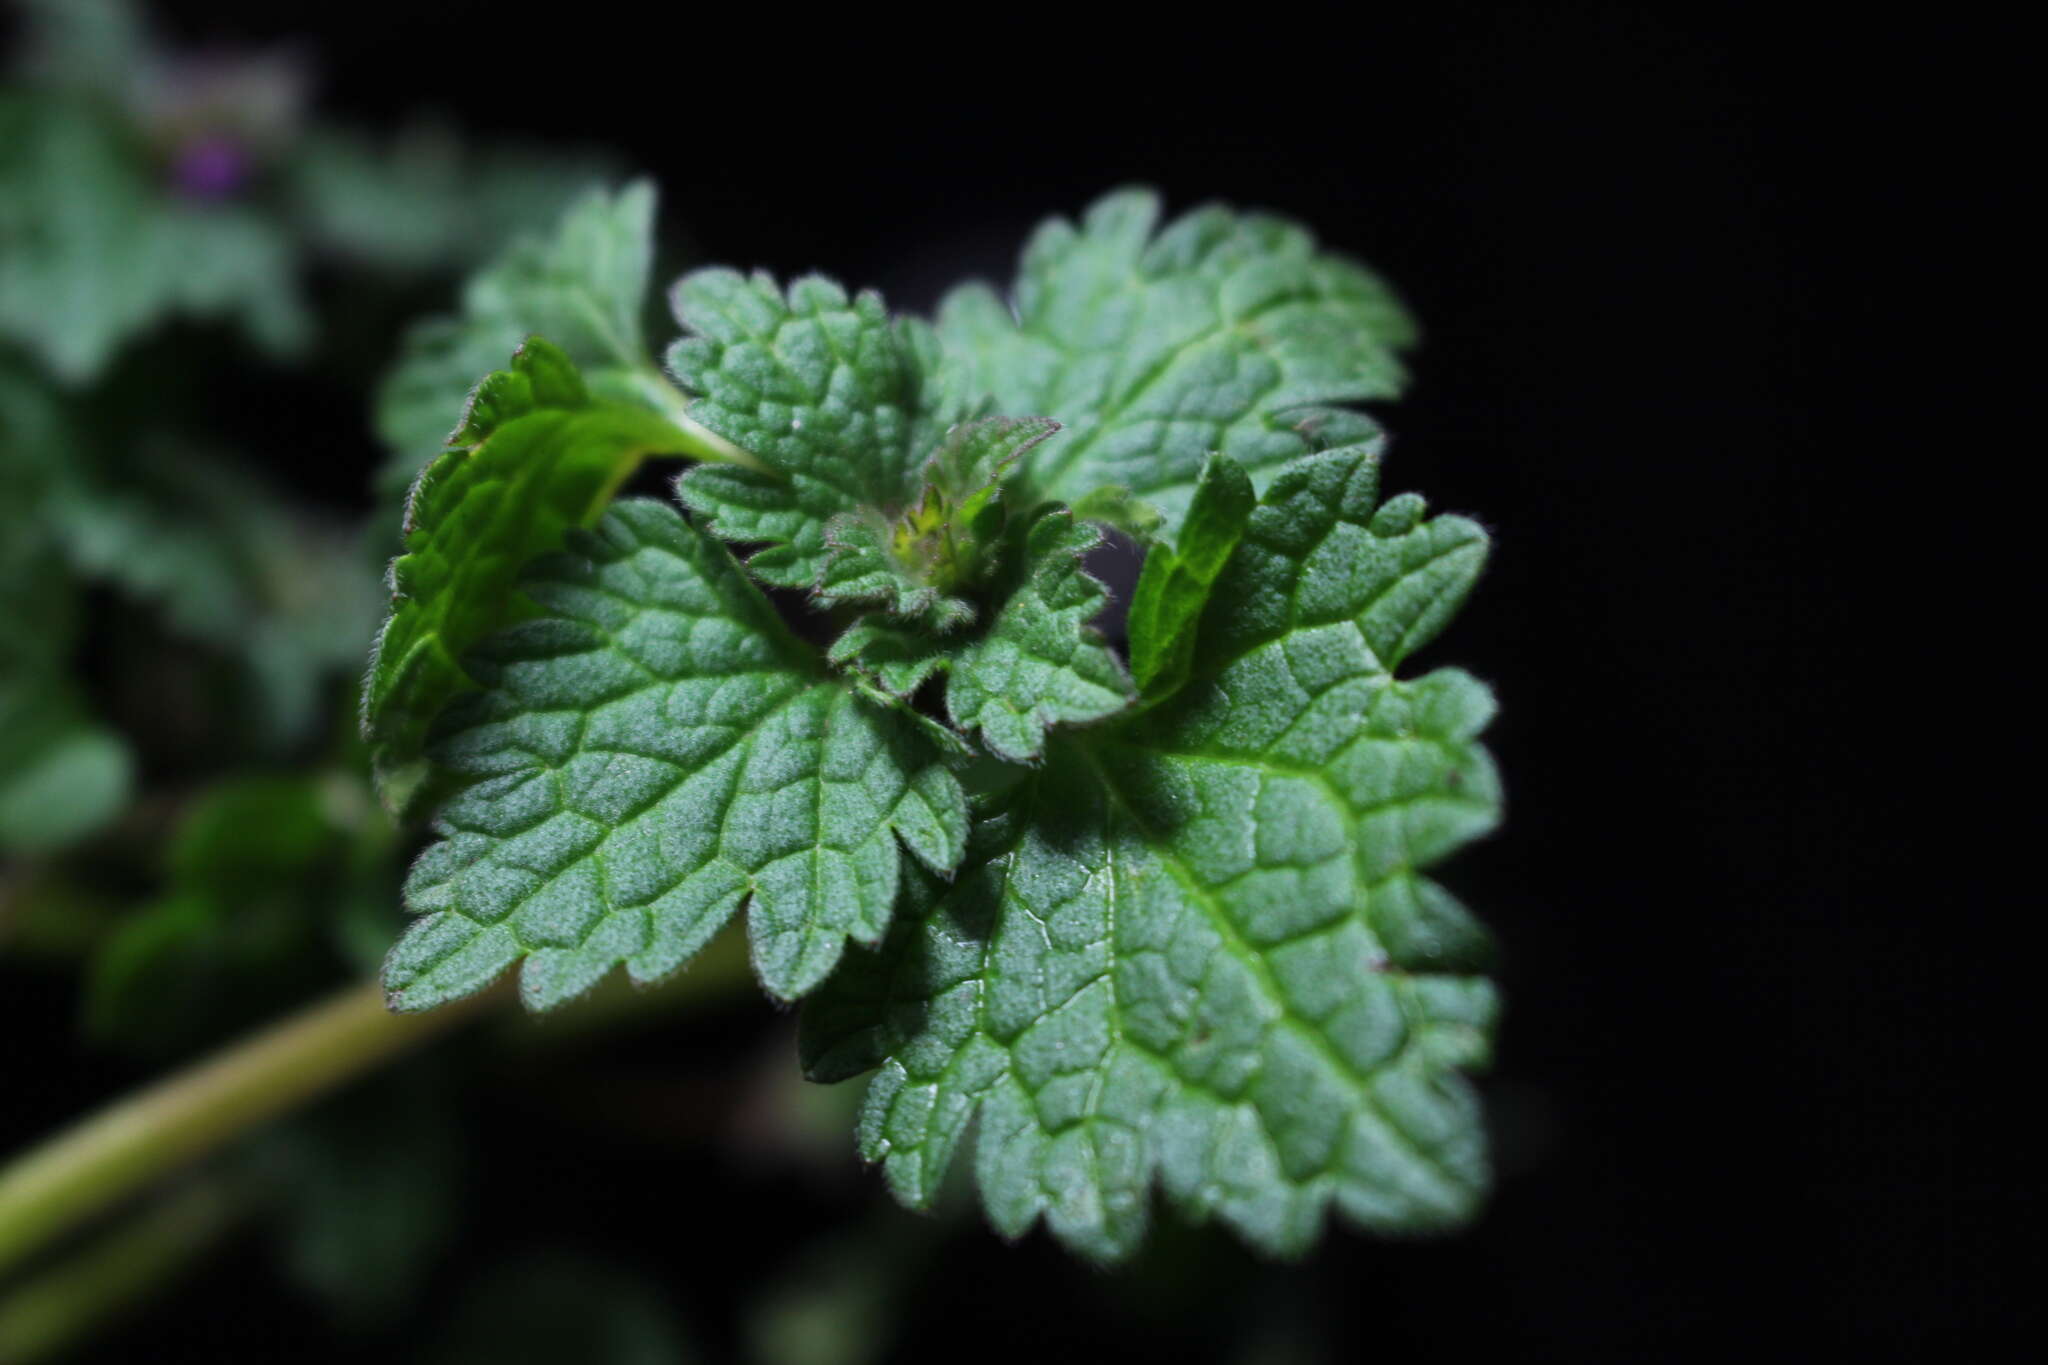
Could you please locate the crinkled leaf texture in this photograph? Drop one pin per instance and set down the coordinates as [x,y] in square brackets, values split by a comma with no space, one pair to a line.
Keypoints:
[909,566]
[1039,664]
[1222,333]
[652,750]
[835,399]
[1198,946]
[538,455]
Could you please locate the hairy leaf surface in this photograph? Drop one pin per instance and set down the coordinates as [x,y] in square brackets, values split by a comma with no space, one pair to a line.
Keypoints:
[829,394]
[1037,665]
[539,455]
[653,750]
[1199,947]
[1040,664]
[1223,332]
[915,565]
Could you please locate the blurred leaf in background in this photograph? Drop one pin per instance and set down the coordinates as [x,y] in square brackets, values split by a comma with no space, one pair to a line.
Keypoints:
[63,774]
[582,285]
[265,877]
[226,562]
[184,807]
[125,191]
[424,199]
[138,183]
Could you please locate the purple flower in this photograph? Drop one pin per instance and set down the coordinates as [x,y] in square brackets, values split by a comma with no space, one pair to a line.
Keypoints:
[210,167]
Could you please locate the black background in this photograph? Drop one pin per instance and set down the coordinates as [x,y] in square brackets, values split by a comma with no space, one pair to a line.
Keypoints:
[1640,245]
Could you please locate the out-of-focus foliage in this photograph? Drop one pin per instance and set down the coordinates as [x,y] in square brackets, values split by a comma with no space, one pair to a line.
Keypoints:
[93,252]
[62,773]
[425,200]
[266,877]
[139,184]
[366,1190]
[583,286]
[185,814]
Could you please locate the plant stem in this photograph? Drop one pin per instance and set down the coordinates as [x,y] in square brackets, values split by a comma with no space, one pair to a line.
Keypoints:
[701,442]
[87,1168]
[140,1257]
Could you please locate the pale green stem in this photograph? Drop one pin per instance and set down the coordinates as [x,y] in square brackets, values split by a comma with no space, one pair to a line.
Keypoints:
[104,1158]
[97,1162]
[701,442]
[140,1257]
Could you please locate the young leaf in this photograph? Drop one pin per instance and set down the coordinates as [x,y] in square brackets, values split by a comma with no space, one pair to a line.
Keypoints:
[1221,333]
[654,749]
[1038,664]
[541,456]
[864,569]
[583,287]
[1198,946]
[1174,585]
[825,391]
[910,567]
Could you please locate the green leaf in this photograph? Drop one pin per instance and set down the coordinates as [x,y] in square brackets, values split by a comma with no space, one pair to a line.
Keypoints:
[897,658]
[1174,585]
[1223,332]
[1039,663]
[256,875]
[945,541]
[583,286]
[226,561]
[1198,947]
[63,776]
[424,200]
[830,396]
[1114,506]
[654,749]
[543,457]
[93,253]
[863,570]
